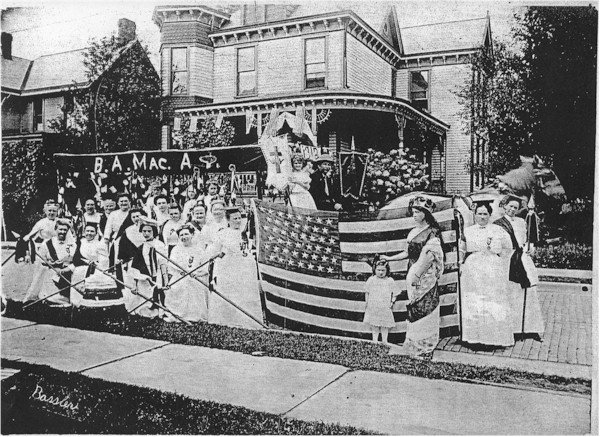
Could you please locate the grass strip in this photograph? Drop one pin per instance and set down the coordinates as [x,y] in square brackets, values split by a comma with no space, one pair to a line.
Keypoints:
[114,408]
[353,354]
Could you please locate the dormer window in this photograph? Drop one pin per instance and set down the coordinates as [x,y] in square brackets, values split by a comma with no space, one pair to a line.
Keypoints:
[315,70]
[179,71]
[419,89]
[246,71]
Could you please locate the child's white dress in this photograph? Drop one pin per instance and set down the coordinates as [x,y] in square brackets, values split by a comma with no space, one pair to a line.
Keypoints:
[379,301]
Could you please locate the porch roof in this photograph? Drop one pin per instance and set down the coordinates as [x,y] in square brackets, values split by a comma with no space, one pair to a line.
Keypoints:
[321,100]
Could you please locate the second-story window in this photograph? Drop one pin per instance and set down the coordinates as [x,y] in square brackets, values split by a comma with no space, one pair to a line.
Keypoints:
[38,115]
[315,70]
[179,71]
[419,89]
[246,71]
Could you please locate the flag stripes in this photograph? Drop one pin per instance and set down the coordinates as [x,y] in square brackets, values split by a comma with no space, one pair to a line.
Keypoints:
[313,266]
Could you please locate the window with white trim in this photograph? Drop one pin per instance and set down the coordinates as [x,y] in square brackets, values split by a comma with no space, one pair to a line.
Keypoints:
[246,71]
[179,71]
[315,69]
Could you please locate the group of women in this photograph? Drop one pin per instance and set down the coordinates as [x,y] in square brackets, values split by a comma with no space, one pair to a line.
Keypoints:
[498,296]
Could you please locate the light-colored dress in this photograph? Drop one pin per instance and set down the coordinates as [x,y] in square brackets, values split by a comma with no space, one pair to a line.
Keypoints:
[299,196]
[236,278]
[425,266]
[486,309]
[379,295]
[42,276]
[187,298]
[519,297]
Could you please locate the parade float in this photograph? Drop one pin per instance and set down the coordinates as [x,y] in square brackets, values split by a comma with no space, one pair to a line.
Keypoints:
[312,264]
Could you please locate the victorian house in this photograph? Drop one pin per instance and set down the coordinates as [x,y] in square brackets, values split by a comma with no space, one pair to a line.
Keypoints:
[352,72]
[35,93]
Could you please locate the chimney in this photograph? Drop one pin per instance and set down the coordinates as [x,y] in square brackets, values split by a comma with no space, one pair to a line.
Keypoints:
[126,30]
[7,45]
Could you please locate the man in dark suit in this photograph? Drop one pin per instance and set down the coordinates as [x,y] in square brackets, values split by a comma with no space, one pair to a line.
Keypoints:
[324,187]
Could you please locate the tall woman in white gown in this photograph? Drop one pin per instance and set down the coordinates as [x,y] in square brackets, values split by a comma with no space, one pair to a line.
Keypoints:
[486,309]
[299,183]
[236,278]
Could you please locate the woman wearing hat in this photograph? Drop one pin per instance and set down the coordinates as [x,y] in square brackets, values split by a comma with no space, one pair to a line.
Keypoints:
[236,278]
[486,311]
[299,184]
[523,278]
[187,297]
[425,266]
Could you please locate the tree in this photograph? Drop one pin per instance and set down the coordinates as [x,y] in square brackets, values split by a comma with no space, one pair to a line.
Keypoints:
[495,103]
[560,52]
[538,95]
[119,111]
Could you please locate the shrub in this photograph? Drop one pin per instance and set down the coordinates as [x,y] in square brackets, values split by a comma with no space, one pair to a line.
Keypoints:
[565,256]
[392,175]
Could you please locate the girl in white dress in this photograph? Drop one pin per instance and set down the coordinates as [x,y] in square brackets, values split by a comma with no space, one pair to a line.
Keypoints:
[299,184]
[236,278]
[187,297]
[379,296]
[486,309]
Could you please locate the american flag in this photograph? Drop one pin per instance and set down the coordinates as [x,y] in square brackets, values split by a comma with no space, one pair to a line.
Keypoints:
[313,266]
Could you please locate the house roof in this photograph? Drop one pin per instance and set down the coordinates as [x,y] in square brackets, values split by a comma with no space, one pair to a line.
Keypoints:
[14,72]
[443,37]
[56,71]
[49,73]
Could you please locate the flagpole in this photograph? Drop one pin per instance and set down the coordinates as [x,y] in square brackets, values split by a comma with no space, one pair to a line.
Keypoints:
[216,292]
[458,219]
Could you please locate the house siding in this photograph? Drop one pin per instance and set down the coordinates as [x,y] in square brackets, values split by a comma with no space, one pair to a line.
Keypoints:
[402,84]
[367,72]
[445,105]
[280,66]
[201,71]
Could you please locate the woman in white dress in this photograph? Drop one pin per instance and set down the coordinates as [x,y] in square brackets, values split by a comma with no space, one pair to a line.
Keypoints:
[299,184]
[523,277]
[486,309]
[190,202]
[187,297]
[236,278]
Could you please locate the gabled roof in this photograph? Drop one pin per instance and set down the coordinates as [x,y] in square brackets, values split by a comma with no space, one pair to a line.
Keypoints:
[14,72]
[49,73]
[57,70]
[445,37]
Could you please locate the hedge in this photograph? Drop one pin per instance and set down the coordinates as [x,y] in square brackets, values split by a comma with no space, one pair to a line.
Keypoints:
[565,256]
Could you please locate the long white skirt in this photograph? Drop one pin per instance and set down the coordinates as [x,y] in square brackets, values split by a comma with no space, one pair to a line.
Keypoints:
[486,309]
[301,198]
[237,280]
[188,299]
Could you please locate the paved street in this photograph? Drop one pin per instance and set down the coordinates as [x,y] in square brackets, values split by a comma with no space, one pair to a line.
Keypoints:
[381,402]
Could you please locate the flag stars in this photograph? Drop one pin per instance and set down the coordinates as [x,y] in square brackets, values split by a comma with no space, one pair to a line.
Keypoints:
[310,266]
[329,222]
[313,238]
[325,231]
[285,250]
[318,220]
[304,255]
[320,268]
[291,262]
[280,213]
[280,240]
[309,247]
[272,257]
[315,228]
[282,260]
[303,236]
[298,245]
[328,250]
[300,264]
[332,241]
[271,238]
[306,227]
[329,270]
[297,225]
[324,258]
[322,239]
[295,253]
[314,256]
[318,248]
[269,219]
[276,249]
[294,234]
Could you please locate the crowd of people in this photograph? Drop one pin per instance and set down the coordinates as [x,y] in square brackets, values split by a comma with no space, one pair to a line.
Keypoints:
[161,259]
[191,261]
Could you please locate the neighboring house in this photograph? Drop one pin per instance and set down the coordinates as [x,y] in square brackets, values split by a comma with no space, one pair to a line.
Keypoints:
[352,72]
[35,92]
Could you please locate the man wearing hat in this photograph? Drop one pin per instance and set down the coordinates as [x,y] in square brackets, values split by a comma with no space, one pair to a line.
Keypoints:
[324,188]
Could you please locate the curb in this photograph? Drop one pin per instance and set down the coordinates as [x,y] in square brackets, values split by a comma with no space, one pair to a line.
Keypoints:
[549,368]
[566,273]
[563,287]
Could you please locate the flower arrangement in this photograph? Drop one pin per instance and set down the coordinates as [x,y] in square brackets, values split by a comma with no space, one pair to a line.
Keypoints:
[207,134]
[390,175]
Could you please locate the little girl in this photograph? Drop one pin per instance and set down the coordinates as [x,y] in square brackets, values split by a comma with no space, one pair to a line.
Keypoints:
[379,296]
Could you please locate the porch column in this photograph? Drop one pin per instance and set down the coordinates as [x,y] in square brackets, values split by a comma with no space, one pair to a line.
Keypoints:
[401,123]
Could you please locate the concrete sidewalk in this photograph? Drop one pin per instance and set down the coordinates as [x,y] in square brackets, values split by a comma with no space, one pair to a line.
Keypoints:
[381,402]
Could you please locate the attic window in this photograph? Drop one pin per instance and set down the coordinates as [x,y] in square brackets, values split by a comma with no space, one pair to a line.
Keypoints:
[179,71]
[386,29]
